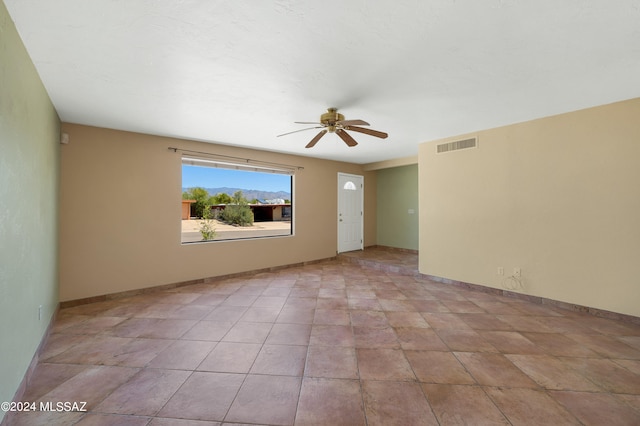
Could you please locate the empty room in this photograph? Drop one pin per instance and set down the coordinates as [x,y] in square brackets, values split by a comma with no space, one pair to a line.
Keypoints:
[319,213]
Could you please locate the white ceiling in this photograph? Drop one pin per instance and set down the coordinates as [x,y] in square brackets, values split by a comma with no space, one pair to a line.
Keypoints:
[240,72]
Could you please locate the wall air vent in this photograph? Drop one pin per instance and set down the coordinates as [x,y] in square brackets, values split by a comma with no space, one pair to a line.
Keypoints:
[454,146]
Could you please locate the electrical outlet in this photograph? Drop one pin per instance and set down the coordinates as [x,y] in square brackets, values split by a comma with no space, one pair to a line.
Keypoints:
[517,272]
[500,270]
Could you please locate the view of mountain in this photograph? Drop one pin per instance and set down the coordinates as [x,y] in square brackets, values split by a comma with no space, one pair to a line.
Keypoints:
[249,194]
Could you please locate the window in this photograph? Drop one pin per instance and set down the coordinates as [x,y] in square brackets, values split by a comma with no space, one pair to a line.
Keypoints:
[350,186]
[227,200]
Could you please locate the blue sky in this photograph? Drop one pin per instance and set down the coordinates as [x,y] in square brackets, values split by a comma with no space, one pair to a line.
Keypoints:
[208,177]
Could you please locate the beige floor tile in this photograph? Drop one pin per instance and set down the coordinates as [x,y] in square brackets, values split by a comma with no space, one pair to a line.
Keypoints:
[204,396]
[420,339]
[359,340]
[289,334]
[59,343]
[530,407]
[491,369]
[231,357]
[331,317]
[248,332]
[225,314]
[163,421]
[330,402]
[406,319]
[42,418]
[280,360]
[137,353]
[192,312]
[295,315]
[510,342]
[182,355]
[373,337]
[438,367]
[559,345]
[100,419]
[93,350]
[606,346]
[485,322]
[91,385]
[445,320]
[331,335]
[465,340]
[332,303]
[383,364]
[47,376]
[396,403]
[145,393]
[606,374]
[331,362]
[551,373]
[266,399]
[369,318]
[93,325]
[595,409]
[462,405]
[261,314]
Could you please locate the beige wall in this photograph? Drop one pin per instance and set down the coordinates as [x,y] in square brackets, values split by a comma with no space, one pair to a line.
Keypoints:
[558,197]
[29,150]
[120,215]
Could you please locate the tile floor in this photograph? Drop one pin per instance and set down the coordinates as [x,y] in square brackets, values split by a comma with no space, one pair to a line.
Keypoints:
[336,343]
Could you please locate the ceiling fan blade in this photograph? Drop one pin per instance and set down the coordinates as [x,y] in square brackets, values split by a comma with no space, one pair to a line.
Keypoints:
[316,139]
[346,137]
[353,123]
[301,130]
[308,122]
[370,132]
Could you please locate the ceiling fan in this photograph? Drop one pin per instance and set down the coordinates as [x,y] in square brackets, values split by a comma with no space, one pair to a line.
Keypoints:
[333,122]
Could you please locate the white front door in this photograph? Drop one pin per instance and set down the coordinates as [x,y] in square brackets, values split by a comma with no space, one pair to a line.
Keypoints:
[350,212]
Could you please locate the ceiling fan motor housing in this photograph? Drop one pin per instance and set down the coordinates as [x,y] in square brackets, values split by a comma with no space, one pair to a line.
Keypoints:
[330,118]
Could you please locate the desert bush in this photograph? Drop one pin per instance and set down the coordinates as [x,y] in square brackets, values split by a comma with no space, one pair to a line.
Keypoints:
[237,214]
[202,197]
[238,211]
[207,228]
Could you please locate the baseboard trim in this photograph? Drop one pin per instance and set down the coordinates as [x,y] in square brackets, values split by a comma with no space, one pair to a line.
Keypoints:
[129,293]
[371,264]
[537,299]
[399,249]
[402,270]
[26,379]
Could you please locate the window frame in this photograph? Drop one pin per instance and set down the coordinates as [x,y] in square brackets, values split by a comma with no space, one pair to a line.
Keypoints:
[248,166]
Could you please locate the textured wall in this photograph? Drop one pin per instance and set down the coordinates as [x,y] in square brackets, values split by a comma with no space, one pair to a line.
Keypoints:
[29,142]
[397,195]
[558,197]
[120,226]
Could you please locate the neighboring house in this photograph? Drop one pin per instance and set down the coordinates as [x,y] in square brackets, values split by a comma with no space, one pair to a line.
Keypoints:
[186,209]
[264,212]
[270,212]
